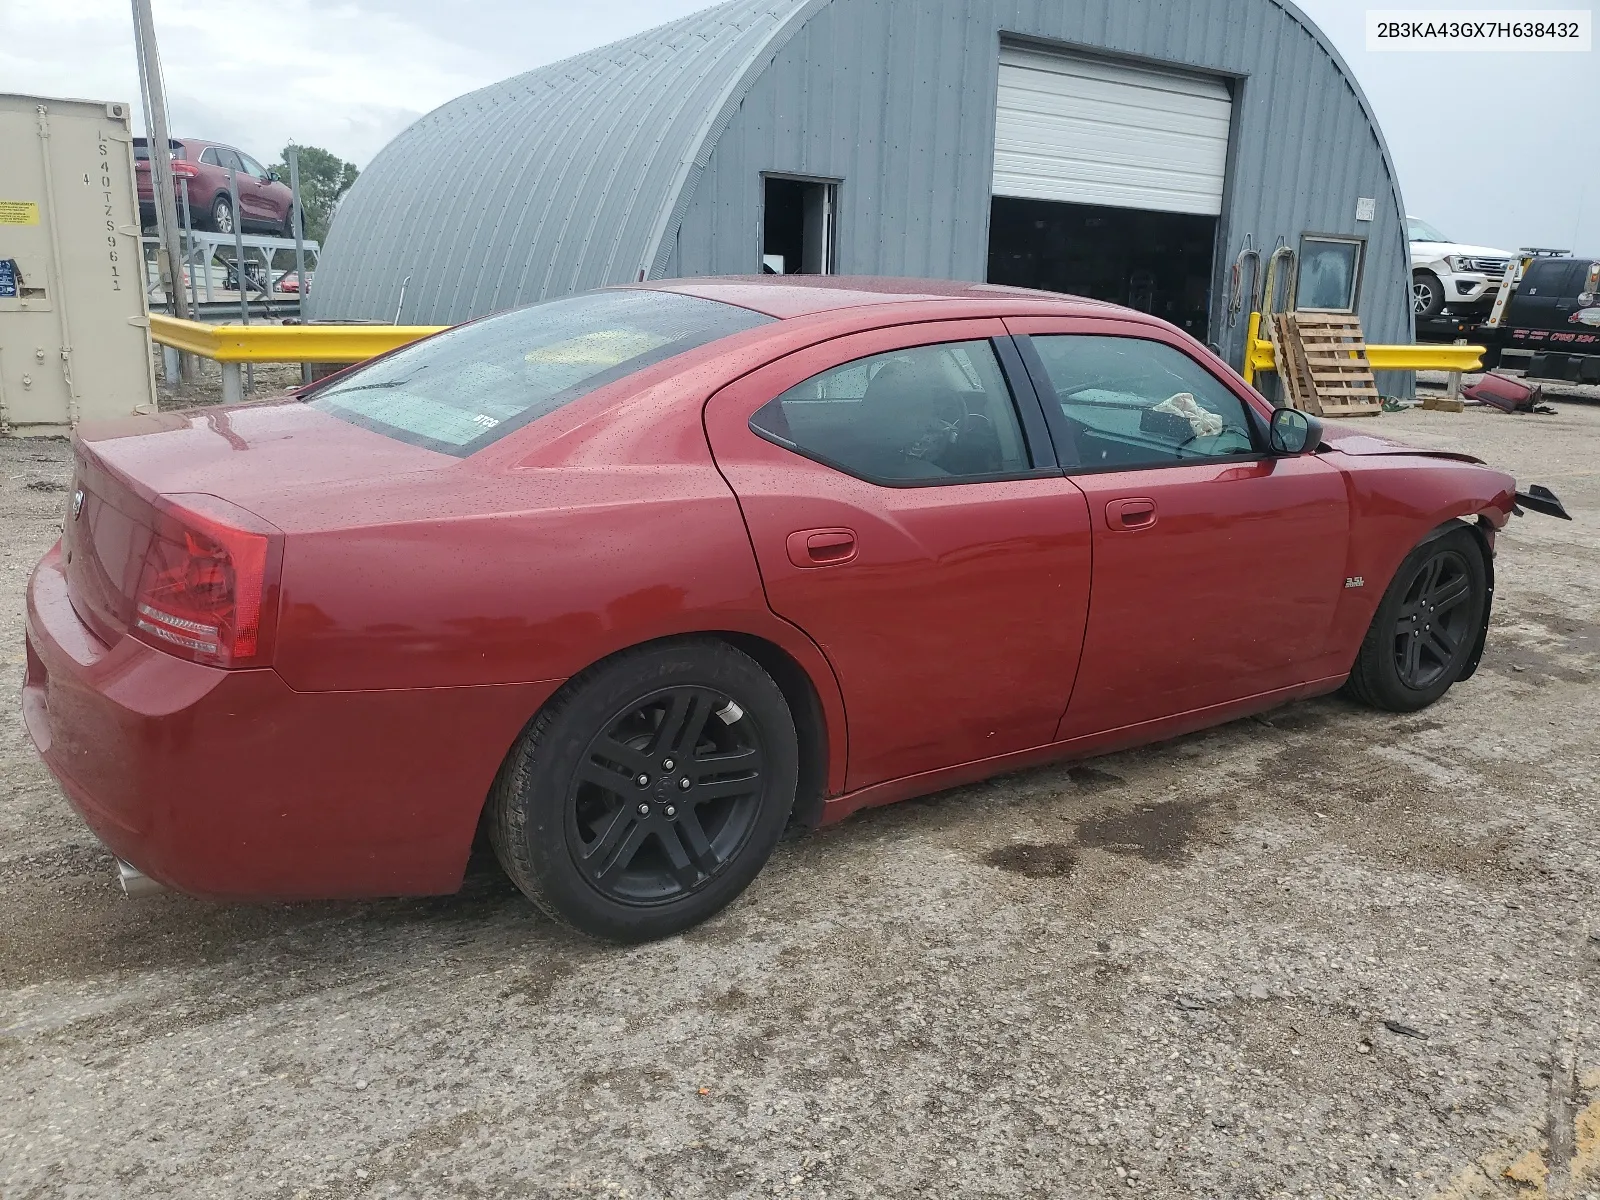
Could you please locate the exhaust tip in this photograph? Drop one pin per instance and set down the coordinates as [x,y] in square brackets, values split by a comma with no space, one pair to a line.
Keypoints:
[135,883]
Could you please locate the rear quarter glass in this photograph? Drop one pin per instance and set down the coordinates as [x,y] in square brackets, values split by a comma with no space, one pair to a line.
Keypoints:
[468,387]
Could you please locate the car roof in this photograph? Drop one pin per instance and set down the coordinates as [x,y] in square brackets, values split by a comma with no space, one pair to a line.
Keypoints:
[802,295]
[207,143]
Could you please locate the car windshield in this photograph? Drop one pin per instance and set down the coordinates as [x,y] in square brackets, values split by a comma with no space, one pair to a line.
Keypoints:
[1421,231]
[467,387]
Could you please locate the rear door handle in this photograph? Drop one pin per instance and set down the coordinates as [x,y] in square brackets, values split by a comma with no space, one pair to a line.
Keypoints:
[822,547]
[1132,512]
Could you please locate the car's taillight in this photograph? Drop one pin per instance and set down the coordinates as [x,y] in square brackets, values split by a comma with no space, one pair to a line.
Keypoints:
[185,170]
[208,590]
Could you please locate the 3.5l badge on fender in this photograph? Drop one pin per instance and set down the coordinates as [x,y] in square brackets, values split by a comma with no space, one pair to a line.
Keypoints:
[1355,581]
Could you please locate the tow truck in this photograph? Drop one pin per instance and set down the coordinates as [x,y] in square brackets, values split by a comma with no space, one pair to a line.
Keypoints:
[1547,312]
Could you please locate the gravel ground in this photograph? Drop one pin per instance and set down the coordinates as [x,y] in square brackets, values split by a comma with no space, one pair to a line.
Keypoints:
[1325,953]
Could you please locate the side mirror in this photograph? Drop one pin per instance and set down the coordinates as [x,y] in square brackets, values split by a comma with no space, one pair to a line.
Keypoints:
[1294,432]
[272,177]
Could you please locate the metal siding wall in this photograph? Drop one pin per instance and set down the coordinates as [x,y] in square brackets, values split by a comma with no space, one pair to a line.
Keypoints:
[562,178]
[547,183]
[887,75]
[916,155]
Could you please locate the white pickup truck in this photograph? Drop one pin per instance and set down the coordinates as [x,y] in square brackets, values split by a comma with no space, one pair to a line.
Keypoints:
[1446,274]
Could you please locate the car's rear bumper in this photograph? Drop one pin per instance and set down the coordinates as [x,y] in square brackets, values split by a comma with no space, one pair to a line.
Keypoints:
[231,784]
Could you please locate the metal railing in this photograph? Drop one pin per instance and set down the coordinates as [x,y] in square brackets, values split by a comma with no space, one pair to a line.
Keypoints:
[1258,356]
[206,271]
[235,345]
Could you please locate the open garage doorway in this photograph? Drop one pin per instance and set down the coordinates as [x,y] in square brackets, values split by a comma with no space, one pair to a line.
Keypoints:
[1108,180]
[1156,262]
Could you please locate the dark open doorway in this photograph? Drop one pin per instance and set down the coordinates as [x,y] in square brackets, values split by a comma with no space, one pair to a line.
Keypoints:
[797,233]
[1157,262]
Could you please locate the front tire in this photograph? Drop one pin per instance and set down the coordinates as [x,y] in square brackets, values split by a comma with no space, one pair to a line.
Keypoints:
[1427,294]
[649,792]
[1426,627]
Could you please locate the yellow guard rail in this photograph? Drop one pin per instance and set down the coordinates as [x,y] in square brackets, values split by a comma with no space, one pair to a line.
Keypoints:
[284,343]
[232,345]
[1259,357]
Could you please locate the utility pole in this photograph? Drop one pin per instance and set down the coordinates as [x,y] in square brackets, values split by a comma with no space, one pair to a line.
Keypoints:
[299,246]
[160,146]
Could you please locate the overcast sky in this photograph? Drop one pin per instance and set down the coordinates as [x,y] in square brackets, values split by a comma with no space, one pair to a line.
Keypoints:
[1497,149]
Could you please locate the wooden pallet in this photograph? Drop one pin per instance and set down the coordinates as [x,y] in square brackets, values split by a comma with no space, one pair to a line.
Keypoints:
[1329,356]
[1292,372]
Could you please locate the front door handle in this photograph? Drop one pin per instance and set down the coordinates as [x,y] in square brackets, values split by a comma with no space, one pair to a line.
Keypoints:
[1133,512]
[822,547]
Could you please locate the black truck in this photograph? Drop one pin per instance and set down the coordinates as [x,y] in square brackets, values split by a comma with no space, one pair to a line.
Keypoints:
[1553,318]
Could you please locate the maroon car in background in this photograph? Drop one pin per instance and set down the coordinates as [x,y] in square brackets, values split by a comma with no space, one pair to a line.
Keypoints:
[265,204]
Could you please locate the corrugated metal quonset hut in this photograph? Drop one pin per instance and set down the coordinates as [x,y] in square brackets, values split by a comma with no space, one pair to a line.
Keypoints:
[1120,149]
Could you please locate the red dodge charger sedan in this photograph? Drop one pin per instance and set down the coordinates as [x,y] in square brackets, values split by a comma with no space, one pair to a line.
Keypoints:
[638,579]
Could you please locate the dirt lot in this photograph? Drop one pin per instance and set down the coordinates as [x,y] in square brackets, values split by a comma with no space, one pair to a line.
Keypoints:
[1328,953]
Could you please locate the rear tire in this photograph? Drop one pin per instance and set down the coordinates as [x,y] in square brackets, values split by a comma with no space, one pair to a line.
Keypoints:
[222,215]
[1426,627]
[708,732]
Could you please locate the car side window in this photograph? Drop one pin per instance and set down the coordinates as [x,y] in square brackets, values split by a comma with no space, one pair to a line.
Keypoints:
[252,167]
[1132,402]
[924,414]
[209,157]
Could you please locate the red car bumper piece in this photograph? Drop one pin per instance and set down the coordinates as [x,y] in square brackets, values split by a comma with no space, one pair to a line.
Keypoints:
[181,769]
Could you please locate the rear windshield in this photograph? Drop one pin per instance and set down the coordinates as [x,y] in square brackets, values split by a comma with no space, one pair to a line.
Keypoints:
[465,388]
[141,149]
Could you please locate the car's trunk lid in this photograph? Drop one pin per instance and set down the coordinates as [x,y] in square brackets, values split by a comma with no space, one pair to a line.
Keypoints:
[279,462]
[104,538]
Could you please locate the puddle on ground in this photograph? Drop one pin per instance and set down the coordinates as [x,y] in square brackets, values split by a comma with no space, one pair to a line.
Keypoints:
[1048,860]
[1156,833]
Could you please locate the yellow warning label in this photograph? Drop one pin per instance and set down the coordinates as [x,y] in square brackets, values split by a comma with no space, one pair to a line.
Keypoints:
[18,212]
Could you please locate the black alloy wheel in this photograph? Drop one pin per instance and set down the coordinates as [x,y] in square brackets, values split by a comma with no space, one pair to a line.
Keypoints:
[1433,628]
[666,795]
[1427,626]
[649,791]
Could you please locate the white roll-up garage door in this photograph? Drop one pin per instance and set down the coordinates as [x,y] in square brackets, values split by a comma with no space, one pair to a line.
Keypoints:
[1088,131]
